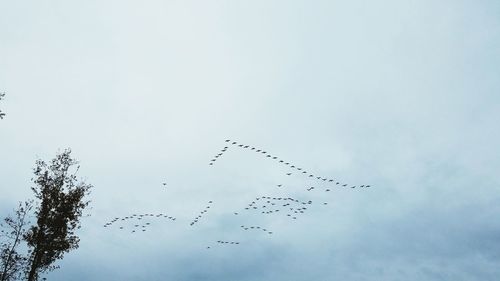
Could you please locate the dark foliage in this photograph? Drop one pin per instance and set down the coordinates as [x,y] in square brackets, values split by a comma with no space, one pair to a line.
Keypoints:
[61,198]
[12,262]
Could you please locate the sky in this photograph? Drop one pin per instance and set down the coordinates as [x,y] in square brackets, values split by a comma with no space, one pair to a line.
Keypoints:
[402,95]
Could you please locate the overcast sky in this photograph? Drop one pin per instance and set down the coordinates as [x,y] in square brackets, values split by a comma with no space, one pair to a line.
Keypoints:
[399,94]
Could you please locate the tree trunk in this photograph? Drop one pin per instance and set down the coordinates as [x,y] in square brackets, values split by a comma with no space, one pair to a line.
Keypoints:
[33,276]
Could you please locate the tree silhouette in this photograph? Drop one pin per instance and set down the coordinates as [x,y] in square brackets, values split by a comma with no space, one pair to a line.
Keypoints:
[61,201]
[2,95]
[12,262]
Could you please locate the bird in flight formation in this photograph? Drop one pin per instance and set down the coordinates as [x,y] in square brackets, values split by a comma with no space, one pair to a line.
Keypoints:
[282,162]
[202,213]
[287,207]
[138,221]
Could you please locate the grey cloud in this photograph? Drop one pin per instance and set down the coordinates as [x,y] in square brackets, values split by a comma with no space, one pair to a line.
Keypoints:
[398,94]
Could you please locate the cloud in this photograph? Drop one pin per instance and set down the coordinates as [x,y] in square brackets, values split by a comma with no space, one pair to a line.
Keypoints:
[400,95]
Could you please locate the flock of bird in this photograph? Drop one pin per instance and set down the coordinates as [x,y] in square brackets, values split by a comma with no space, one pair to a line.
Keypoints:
[290,165]
[268,205]
[140,221]
[197,218]
[256,227]
[290,207]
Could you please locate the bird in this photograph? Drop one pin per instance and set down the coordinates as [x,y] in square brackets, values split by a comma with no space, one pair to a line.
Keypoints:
[164,183]
[288,174]
[279,185]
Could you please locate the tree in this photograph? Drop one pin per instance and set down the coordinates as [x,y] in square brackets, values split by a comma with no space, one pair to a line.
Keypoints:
[2,95]
[12,262]
[61,201]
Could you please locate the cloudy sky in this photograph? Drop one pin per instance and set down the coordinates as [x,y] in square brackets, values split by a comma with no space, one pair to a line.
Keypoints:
[401,95]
